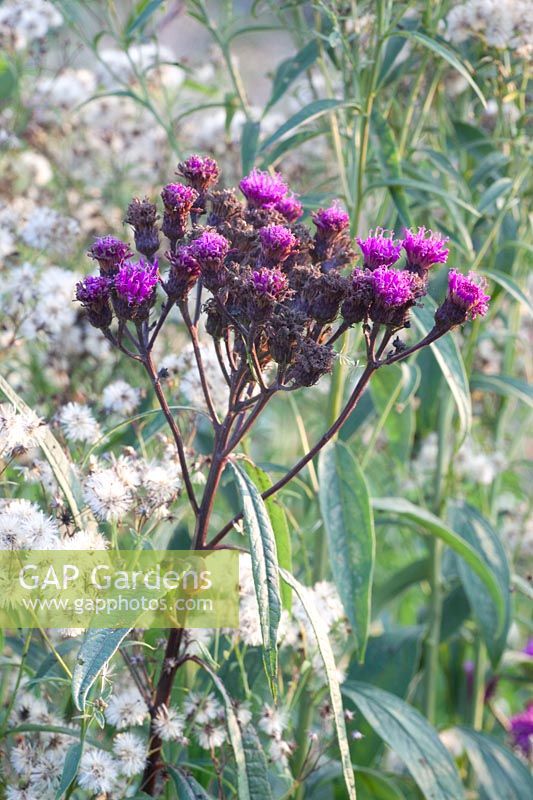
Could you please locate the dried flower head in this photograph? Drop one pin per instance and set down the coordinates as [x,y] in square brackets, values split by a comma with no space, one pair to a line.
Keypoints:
[142,216]
[201,172]
[184,272]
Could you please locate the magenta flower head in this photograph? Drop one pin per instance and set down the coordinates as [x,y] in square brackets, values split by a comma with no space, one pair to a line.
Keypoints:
[269,281]
[466,299]
[263,190]
[110,252]
[521,730]
[290,207]
[267,287]
[423,249]
[379,249]
[331,220]
[528,649]
[178,200]
[135,285]
[277,243]
[200,171]
[93,294]
[210,249]
[184,272]
[394,292]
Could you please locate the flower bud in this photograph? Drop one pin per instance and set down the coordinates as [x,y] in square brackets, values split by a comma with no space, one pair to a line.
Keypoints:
[93,294]
[142,216]
[110,253]
[184,273]
[178,201]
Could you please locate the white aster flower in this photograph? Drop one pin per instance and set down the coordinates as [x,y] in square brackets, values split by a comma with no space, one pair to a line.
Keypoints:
[85,540]
[161,482]
[47,229]
[17,430]
[98,771]
[168,724]
[78,423]
[203,709]
[126,709]
[279,751]
[273,721]
[24,526]
[107,496]
[46,772]
[130,751]
[120,398]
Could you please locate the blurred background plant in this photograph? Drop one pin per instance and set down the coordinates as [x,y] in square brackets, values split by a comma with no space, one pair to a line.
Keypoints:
[405,111]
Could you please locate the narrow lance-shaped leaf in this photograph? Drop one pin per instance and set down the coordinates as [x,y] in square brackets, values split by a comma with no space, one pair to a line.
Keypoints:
[450,362]
[97,647]
[411,736]
[504,385]
[264,567]
[432,525]
[289,70]
[252,773]
[510,286]
[249,144]
[500,774]
[330,669]
[480,535]
[306,114]
[70,768]
[349,523]
[186,785]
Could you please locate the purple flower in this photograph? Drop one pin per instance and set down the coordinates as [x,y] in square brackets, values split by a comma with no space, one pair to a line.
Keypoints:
[528,649]
[331,220]
[392,287]
[178,197]
[136,280]
[468,293]
[380,249]
[290,207]
[209,247]
[521,730]
[93,289]
[110,252]
[184,272]
[277,243]
[424,248]
[269,281]
[200,171]
[263,190]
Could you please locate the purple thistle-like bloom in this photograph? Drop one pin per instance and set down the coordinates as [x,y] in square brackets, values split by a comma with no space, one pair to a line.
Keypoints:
[178,197]
[269,281]
[184,272]
[110,253]
[423,249]
[277,243]
[93,289]
[379,249]
[209,247]
[263,190]
[331,220]
[521,730]
[200,171]
[136,280]
[290,207]
[468,293]
[392,287]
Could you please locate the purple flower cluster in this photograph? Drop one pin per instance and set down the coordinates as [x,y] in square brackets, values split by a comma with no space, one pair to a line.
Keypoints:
[379,249]
[392,287]
[110,252]
[277,243]
[289,207]
[210,247]
[263,190]
[269,281]
[93,288]
[332,219]
[522,730]
[423,249]
[178,197]
[135,281]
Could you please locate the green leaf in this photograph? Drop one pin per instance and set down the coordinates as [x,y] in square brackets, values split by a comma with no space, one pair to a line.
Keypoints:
[480,535]
[97,647]
[70,768]
[282,535]
[8,79]
[252,774]
[374,785]
[411,737]
[510,286]
[291,68]
[504,385]
[432,525]
[450,362]
[495,190]
[306,114]
[389,158]
[426,188]
[400,581]
[60,465]
[444,51]
[349,524]
[187,787]
[500,774]
[264,567]
[249,144]
[328,659]
[389,389]
[142,14]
